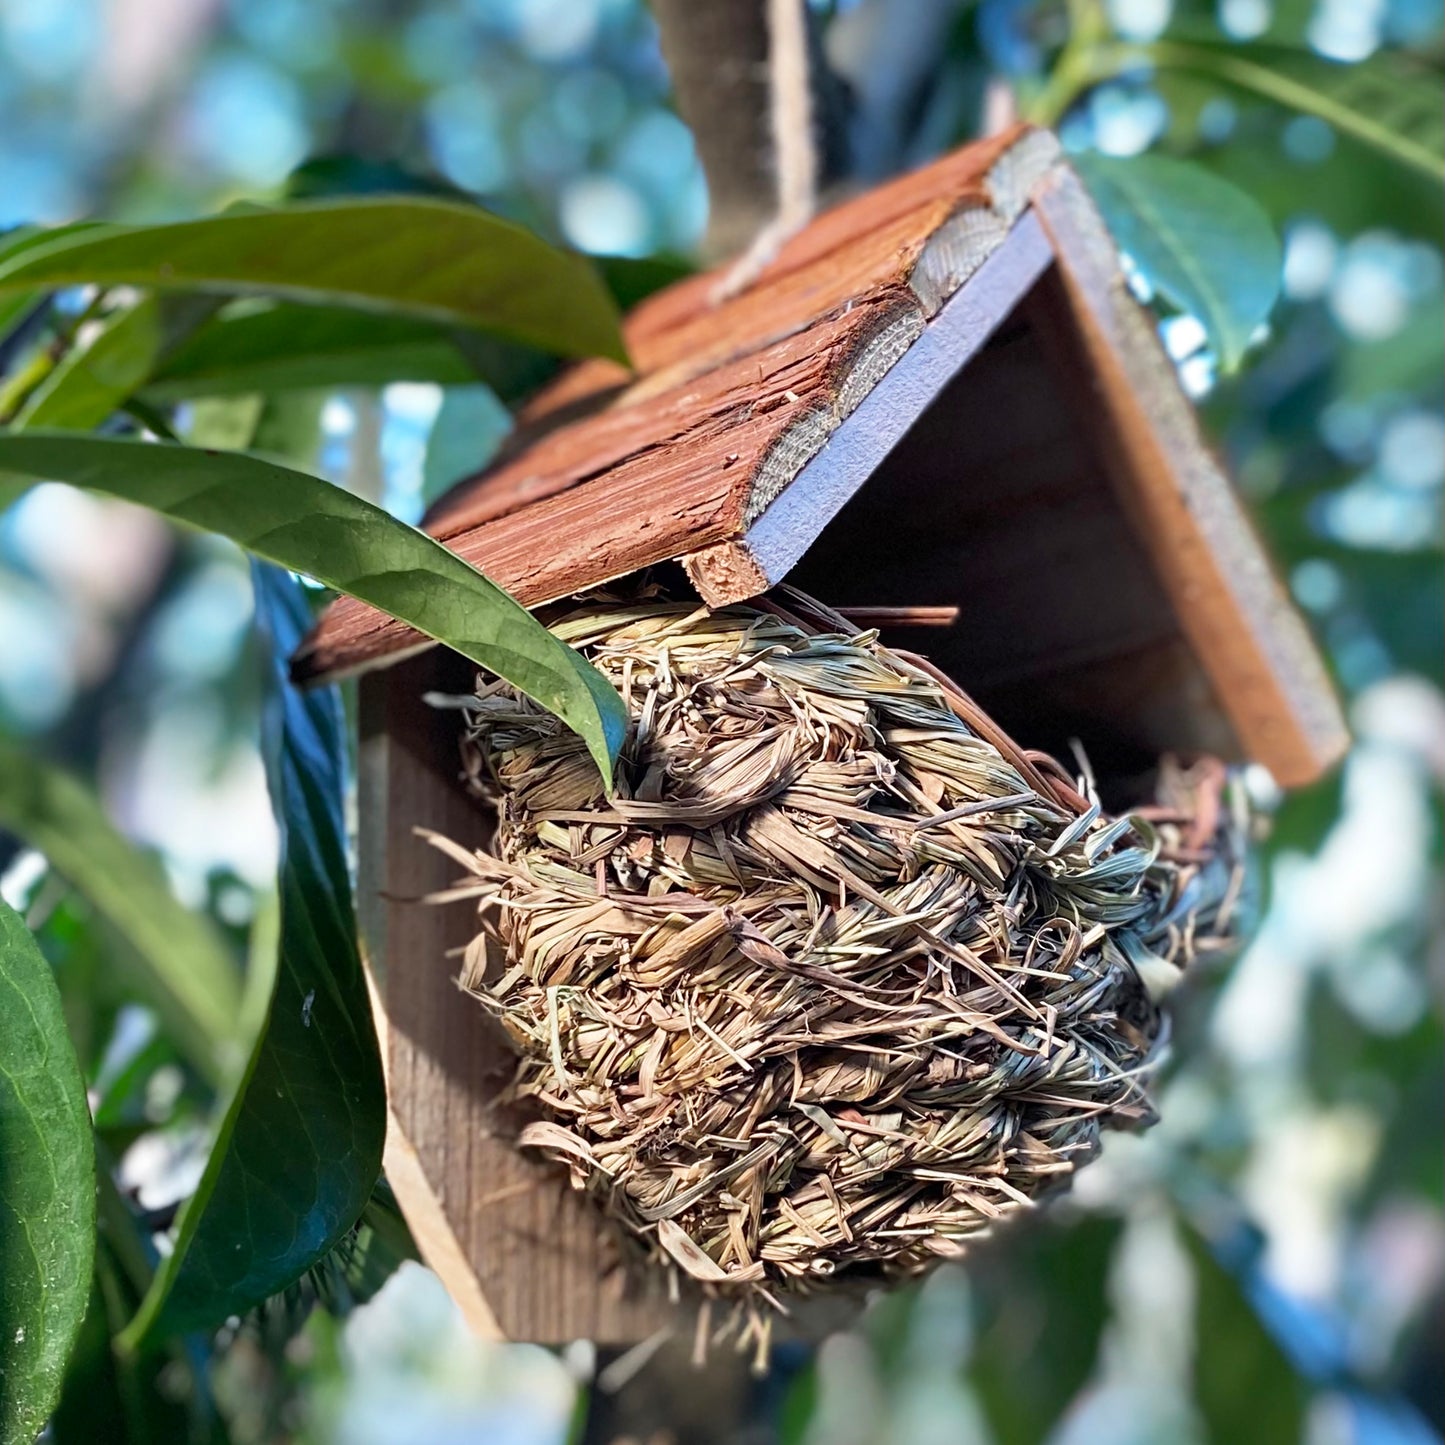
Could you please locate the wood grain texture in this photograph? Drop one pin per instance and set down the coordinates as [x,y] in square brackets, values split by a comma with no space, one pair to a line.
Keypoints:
[609,472]
[668,476]
[782,533]
[920,200]
[524,1255]
[1228,602]
[998,502]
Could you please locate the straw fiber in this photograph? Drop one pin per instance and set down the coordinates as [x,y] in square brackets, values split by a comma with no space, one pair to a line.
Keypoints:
[842,975]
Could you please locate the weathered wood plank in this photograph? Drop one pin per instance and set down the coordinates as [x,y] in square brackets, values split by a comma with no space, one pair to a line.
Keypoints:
[772,545]
[751,385]
[524,1255]
[667,477]
[922,198]
[1216,574]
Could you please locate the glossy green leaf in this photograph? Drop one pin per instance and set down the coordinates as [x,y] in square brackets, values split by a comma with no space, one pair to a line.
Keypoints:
[416,256]
[47,1188]
[307,525]
[177,959]
[97,375]
[113,1398]
[91,1402]
[1203,243]
[110,1396]
[282,346]
[366,1257]
[285,347]
[300,1146]
[1244,1385]
[1390,101]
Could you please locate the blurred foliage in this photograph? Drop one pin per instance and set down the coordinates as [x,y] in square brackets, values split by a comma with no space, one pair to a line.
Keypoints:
[1266,1265]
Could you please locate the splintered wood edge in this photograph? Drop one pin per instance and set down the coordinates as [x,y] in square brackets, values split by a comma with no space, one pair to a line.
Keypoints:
[1250,639]
[793,517]
[783,521]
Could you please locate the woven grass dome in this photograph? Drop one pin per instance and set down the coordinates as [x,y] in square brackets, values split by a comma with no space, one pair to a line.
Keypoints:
[841,975]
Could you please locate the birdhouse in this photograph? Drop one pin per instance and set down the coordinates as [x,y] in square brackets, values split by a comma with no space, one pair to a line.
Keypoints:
[939,400]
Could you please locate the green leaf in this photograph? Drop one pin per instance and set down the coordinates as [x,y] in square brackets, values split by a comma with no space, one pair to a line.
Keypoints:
[96,376]
[799,1406]
[465,435]
[1203,243]
[416,256]
[27,238]
[285,347]
[288,426]
[300,1146]
[1390,101]
[634,278]
[90,1403]
[1349,190]
[178,960]
[109,1395]
[47,1188]
[1244,1385]
[366,1257]
[300,522]
[112,1398]
[281,346]
[1408,363]
[227,423]
[13,310]
[1044,1293]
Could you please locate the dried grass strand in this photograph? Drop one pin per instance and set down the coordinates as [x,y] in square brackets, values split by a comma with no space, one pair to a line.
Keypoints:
[841,975]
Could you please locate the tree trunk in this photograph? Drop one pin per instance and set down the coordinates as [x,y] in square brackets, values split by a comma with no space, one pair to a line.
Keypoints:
[717,55]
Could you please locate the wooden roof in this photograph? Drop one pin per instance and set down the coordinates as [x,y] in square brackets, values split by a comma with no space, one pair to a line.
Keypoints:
[609,471]
[749,421]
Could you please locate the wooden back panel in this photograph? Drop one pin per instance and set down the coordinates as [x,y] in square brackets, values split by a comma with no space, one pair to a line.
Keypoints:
[1230,606]
[524,1255]
[999,501]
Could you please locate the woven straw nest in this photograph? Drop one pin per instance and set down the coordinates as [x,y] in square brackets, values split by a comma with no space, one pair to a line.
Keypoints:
[841,975]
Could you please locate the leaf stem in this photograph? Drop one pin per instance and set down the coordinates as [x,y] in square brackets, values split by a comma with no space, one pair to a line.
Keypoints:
[1075,69]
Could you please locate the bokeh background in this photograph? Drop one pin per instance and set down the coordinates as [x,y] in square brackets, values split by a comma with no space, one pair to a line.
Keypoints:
[1274,1251]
